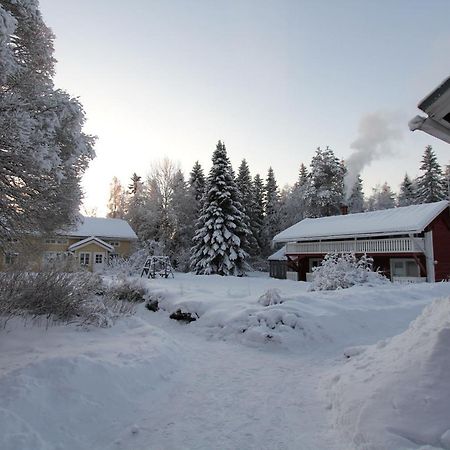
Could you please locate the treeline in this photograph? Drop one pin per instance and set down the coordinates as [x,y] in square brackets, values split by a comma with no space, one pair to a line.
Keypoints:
[226,221]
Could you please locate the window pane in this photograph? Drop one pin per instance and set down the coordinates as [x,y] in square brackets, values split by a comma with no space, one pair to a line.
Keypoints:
[411,269]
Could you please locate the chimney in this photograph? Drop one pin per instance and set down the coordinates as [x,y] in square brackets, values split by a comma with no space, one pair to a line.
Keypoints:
[344,209]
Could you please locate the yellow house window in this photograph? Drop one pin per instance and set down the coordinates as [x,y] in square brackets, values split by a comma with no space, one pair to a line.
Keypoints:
[85,259]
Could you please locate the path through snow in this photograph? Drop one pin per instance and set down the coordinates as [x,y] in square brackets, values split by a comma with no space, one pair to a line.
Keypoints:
[234,397]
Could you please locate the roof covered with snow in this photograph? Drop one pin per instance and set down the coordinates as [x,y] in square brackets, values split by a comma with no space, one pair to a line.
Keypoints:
[403,220]
[90,240]
[279,255]
[101,227]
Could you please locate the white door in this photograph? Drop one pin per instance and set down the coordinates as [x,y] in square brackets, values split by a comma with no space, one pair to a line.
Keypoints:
[99,262]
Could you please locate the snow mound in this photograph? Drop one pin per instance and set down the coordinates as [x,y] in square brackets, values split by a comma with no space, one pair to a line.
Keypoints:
[64,400]
[270,297]
[396,394]
[276,323]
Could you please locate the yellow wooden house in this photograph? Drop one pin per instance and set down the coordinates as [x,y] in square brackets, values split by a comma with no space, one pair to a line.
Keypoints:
[91,244]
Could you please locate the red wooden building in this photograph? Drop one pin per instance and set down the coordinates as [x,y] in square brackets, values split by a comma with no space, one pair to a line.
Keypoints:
[410,243]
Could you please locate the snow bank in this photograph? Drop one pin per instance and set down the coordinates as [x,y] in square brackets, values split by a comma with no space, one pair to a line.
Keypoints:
[248,310]
[396,395]
[69,389]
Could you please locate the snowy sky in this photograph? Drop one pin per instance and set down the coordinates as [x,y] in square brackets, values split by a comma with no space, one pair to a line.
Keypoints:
[273,79]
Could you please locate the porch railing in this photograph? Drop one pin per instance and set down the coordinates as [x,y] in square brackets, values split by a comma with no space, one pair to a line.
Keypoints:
[389,245]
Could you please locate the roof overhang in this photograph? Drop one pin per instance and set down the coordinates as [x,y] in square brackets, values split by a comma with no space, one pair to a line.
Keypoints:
[437,106]
[91,240]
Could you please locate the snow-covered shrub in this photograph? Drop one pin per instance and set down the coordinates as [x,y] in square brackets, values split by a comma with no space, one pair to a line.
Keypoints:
[104,310]
[127,266]
[343,270]
[54,295]
[270,297]
[130,289]
[58,296]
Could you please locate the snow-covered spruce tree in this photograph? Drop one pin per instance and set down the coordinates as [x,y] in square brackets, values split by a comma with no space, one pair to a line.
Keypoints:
[356,199]
[382,198]
[220,232]
[431,186]
[293,200]
[184,215]
[135,184]
[247,200]
[302,176]
[325,191]
[272,209]
[257,215]
[197,185]
[407,194]
[117,200]
[135,211]
[151,213]
[43,151]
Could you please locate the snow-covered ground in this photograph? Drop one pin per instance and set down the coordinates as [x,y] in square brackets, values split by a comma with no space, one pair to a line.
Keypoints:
[242,376]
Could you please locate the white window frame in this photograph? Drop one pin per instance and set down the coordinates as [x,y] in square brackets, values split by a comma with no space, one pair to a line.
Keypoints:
[102,257]
[403,261]
[114,243]
[82,258]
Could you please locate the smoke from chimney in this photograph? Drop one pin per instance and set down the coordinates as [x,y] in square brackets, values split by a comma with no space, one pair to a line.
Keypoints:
[376,133]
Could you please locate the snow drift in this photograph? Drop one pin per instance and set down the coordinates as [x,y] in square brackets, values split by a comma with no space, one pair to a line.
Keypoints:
[84,390]
[396,394]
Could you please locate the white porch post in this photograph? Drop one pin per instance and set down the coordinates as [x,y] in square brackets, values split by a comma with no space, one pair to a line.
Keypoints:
[429,256]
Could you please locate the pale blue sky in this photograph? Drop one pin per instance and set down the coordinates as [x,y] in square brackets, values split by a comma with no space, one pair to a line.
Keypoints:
[273,79]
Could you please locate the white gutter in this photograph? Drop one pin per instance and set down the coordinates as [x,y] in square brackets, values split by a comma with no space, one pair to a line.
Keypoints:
[430,126]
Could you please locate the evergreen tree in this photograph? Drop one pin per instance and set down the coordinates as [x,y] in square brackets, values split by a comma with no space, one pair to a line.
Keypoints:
[272,209]
[356,199]
[220,231]
[293,200]
[183,215]
[257,216]
[382,198]
[407,194]
[135,209]
[325,191]
[302,175]
[197,182]
[431,186]
[43,149]
[134,186]
[247,199]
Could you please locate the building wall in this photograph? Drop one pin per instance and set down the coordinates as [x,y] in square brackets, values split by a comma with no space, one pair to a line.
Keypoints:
[277,269]
[441,246]
[381,262]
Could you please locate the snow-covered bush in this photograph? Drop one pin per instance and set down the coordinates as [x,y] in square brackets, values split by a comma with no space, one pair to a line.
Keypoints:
[59,296]
[130,289]
[270,297]
[54,295]
[343,270]
[130,266]
[104,310]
